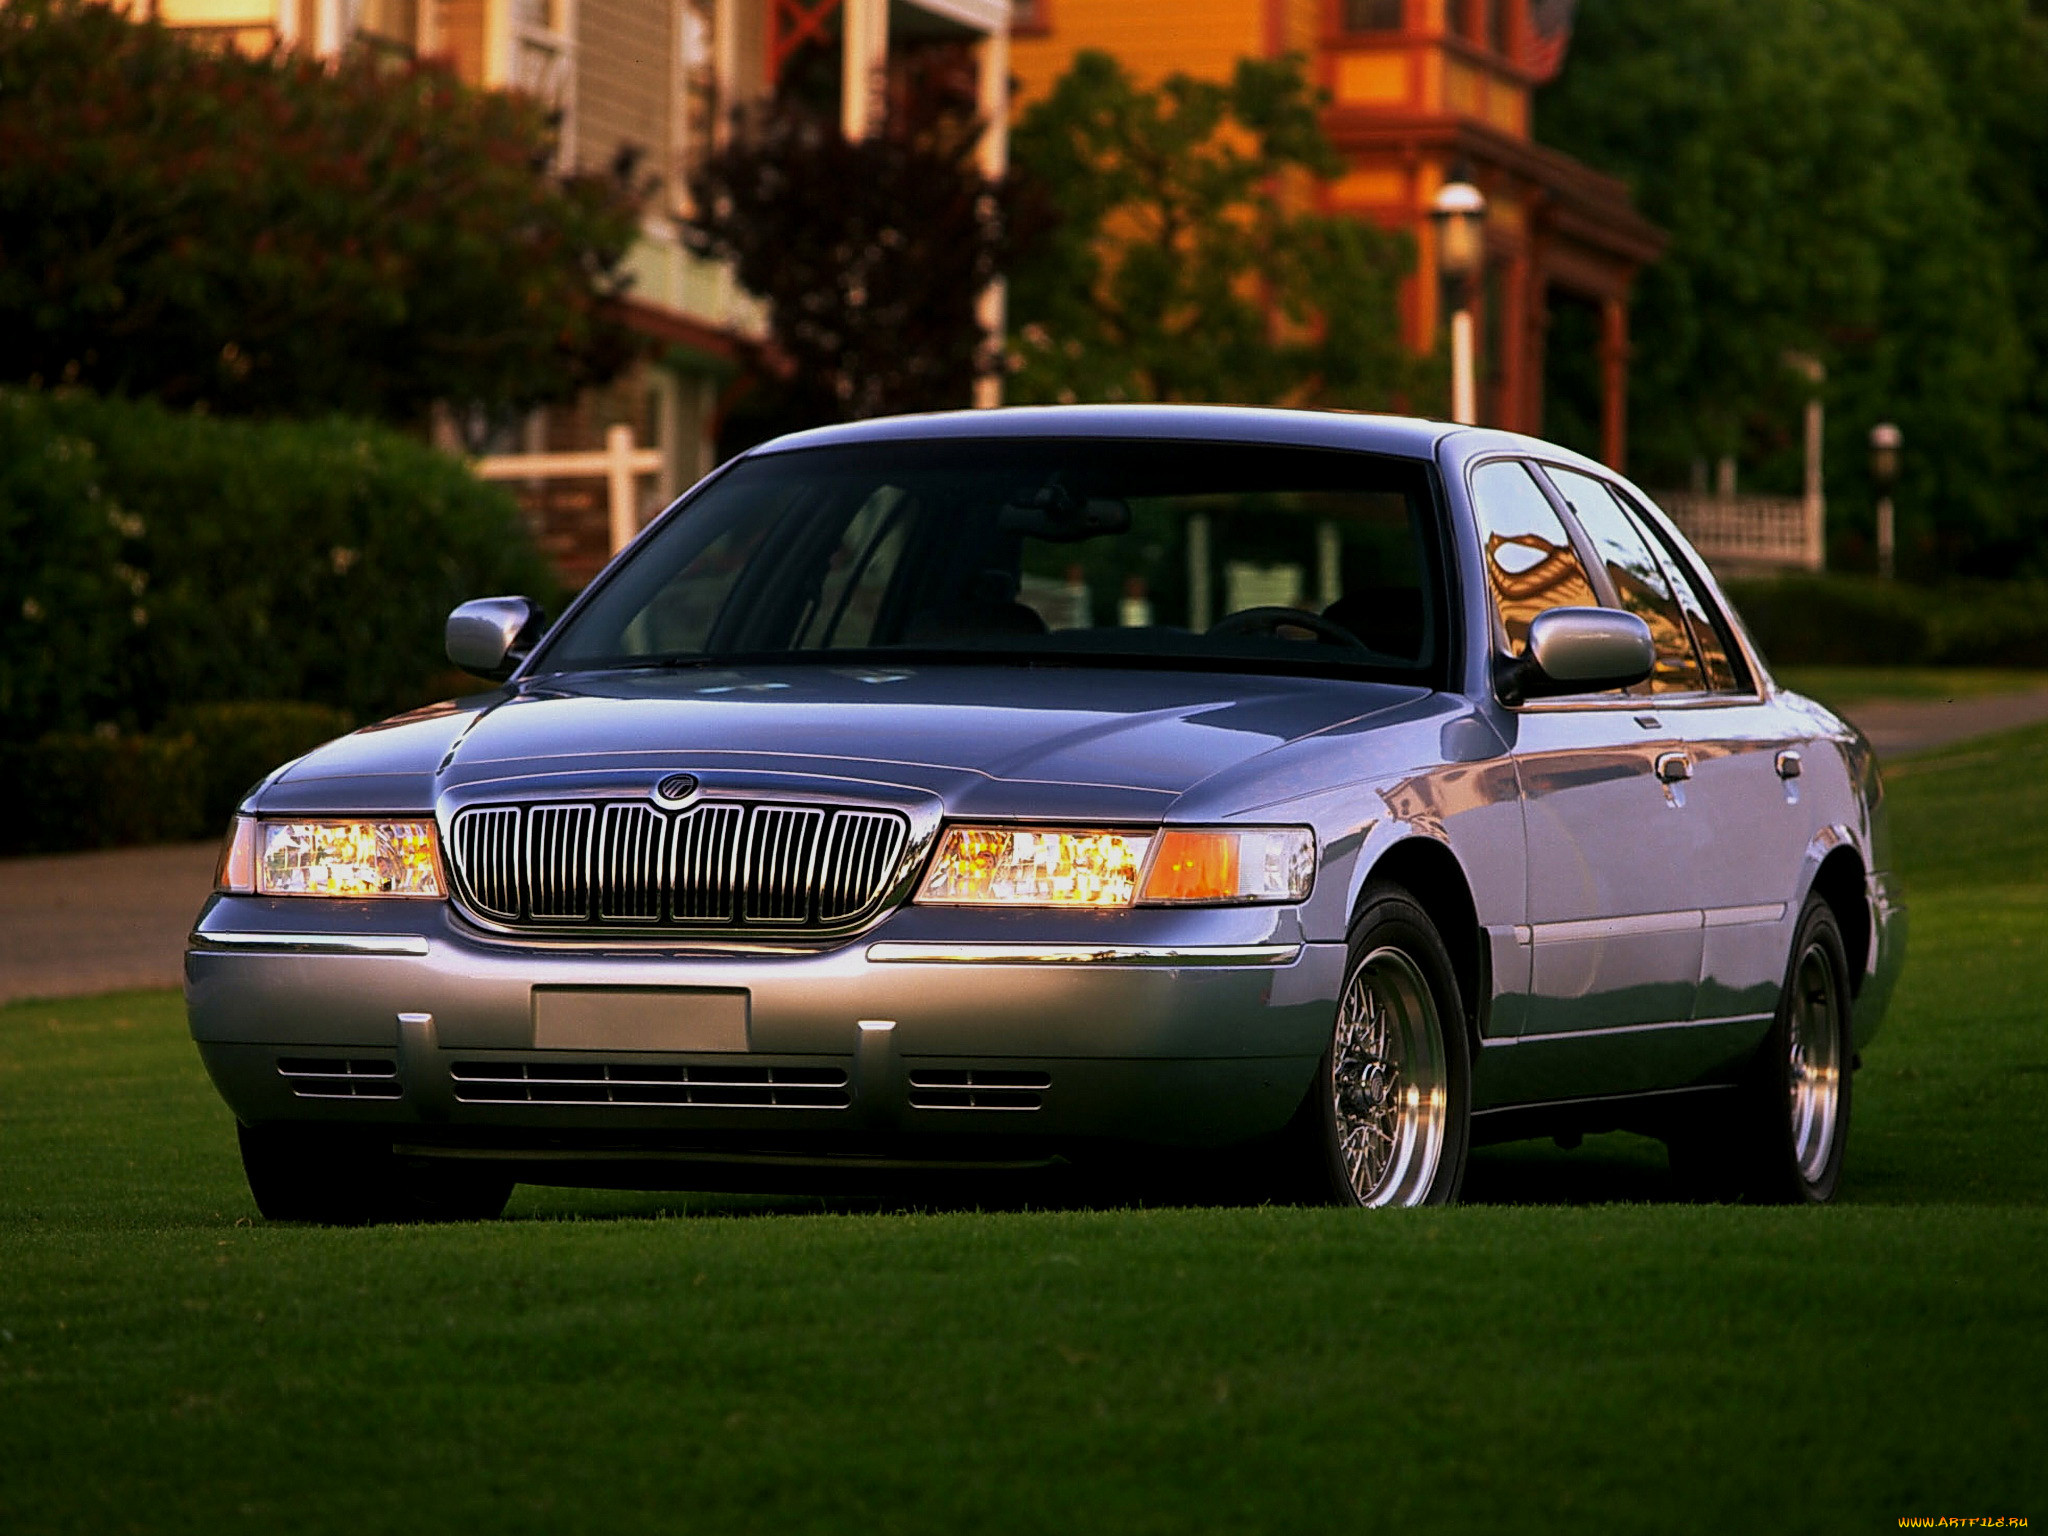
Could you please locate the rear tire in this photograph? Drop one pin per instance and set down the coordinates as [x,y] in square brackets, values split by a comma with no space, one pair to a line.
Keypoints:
[338,1176]
[1783,1138]
[1388,1120]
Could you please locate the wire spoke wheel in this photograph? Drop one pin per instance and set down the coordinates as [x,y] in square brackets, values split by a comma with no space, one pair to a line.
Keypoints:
[1814,1062]
[1389,1081]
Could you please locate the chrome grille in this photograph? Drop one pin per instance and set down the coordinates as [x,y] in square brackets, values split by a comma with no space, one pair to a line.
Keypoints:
[714,864]
[705,875]
[558,862]
[860,851]
[486,848]
[629,879]
[780,846]
[719,1087]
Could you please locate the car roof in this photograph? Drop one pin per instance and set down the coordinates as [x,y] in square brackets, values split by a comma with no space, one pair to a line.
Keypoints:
[1407,436]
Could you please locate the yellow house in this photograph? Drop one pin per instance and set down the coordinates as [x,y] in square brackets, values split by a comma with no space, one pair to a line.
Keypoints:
[1416,89]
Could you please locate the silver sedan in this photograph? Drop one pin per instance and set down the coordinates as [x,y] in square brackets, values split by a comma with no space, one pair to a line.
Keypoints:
[988,792]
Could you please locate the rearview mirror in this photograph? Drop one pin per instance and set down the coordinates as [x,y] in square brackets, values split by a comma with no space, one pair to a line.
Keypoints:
[1577,650]
[1055,514]
[490,636]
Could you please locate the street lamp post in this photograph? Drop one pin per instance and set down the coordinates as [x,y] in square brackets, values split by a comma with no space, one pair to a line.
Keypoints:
[1459,211]
[1884,473]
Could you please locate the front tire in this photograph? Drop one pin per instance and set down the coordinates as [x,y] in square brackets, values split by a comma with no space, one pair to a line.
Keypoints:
[336,1176]
[1390,1111]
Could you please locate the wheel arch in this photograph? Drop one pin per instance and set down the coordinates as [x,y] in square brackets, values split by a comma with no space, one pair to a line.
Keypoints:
[1428,871]
[1841,882]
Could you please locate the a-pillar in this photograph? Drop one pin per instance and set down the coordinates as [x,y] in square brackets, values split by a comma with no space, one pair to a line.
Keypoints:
[1614,381]
[864,58]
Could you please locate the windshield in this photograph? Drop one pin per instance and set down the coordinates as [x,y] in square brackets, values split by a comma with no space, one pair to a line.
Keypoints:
[1036,550]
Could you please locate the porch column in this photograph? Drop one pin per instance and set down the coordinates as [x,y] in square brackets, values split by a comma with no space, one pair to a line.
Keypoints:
[1614,381]
[864,57]
[992,99]
[1512,402]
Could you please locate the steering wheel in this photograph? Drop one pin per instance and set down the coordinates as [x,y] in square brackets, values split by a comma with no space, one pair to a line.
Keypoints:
[1270,621]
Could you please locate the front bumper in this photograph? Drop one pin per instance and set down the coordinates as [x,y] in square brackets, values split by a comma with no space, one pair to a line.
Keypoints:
[938,1034]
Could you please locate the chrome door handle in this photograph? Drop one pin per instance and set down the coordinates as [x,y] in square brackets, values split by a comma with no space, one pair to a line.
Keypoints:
[1673,766]
[1788,765]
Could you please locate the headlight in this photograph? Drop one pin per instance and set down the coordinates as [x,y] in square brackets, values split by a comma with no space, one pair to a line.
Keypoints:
[1052,867]
[332,858]
[1035,867]
[1231,864]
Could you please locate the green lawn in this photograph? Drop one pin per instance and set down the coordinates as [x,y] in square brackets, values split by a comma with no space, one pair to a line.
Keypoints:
[1582,1354]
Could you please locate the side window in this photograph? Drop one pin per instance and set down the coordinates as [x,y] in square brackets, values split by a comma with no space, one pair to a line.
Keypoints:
[1529,556]
[1719,654]
[1638,577]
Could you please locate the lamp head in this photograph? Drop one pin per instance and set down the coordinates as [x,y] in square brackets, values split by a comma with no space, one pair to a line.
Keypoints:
[1885,440]
[1459,211]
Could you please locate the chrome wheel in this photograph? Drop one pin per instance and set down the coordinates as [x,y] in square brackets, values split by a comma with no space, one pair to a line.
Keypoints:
[1814,1078]
[1389,1084]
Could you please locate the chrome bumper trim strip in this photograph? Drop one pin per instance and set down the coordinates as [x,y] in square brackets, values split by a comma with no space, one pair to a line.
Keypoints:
[898,952]
[318,943]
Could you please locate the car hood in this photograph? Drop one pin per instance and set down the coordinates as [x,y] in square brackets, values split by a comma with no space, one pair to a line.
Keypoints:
[1025,740]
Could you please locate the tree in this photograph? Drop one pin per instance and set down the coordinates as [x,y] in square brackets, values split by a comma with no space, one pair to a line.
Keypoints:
[1183,265]
[1816,166]
[1992,58]
[270,235]
[871,255]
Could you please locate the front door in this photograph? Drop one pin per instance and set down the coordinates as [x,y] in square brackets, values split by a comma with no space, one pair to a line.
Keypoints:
[1614,932]
[1613,928]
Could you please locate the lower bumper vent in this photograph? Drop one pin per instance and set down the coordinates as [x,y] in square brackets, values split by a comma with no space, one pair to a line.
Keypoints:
[721,1087]
[977,1088]
[340,1077]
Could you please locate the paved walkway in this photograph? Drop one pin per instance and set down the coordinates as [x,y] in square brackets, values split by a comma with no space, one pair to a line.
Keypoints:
[1898,726]
[74,923]
[78,923]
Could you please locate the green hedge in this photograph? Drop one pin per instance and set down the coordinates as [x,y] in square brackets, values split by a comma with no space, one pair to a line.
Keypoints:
[101,789]
[1860,621]
[240,743]
[151,561]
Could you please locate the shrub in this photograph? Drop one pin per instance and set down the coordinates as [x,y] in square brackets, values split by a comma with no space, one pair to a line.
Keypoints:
[176,560]
[100,789]
[65,596]
[240,743]
[1859,621]
[1835,620]
[1990,625]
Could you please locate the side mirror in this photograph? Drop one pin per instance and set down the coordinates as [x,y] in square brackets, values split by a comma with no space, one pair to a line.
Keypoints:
[490,636]
[1578,650]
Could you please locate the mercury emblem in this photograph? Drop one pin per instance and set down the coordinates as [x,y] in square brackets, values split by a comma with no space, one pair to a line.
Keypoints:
[674,790]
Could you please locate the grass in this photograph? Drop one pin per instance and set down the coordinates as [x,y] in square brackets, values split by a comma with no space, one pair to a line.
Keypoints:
[1584,1354]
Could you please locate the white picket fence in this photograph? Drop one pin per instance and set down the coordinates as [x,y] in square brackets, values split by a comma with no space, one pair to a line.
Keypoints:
[1739,533]
[618,464]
